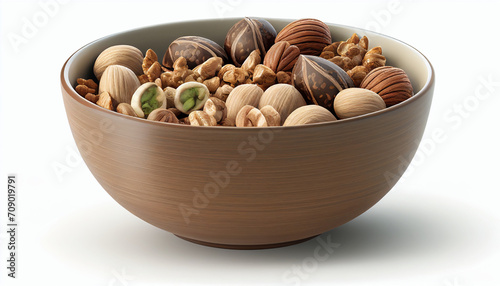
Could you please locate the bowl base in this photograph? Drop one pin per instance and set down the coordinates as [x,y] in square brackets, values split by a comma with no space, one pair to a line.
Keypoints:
[246,247]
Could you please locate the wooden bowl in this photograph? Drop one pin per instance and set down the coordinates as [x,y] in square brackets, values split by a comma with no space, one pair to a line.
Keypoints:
[246,188]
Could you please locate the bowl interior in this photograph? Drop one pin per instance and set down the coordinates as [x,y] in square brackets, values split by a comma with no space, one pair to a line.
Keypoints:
[159,37]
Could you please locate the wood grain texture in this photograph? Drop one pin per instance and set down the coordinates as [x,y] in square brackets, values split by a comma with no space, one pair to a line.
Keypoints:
[293,182]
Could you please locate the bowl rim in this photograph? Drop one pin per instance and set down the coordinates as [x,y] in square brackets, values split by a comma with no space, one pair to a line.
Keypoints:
[66,85]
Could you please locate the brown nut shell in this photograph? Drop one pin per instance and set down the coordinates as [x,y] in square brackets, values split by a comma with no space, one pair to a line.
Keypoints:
[311,36]
[247,35]
[282,56]
[319,80]
[195,49]
[391,83]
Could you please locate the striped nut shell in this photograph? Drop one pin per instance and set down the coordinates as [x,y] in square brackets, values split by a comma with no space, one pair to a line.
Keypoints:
[311,36]
[247,35]
[391,83]
[319,80]
[282,57]
[196,50]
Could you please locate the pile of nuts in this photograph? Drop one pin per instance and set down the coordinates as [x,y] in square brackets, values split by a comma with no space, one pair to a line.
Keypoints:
[258,78]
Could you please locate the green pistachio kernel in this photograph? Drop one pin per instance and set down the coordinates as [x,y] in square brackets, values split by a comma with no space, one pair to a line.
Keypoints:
[191,97]
[148,100]
[190,103]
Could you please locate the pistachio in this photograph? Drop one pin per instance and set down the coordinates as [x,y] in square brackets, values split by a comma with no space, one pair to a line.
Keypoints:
[191,96]
[147,98]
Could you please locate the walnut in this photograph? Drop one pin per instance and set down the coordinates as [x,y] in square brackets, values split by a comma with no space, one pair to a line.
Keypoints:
[92,97]
[236,76]
[252,61]
[90,83]
[209,68]
[85,86]
[149,60]
[330,51]
[143,78]
[83,90]
[151,66]
[374,59]
[284,77]
[223,92]
[352,56]
[212,84]
[264,76]
[351,51]
[357,74]
[344,63]
[225,69]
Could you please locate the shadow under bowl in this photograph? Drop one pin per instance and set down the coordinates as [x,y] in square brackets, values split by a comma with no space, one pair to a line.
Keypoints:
[246,188]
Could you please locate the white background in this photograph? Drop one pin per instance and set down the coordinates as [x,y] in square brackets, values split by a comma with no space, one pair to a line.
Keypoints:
[438,226]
